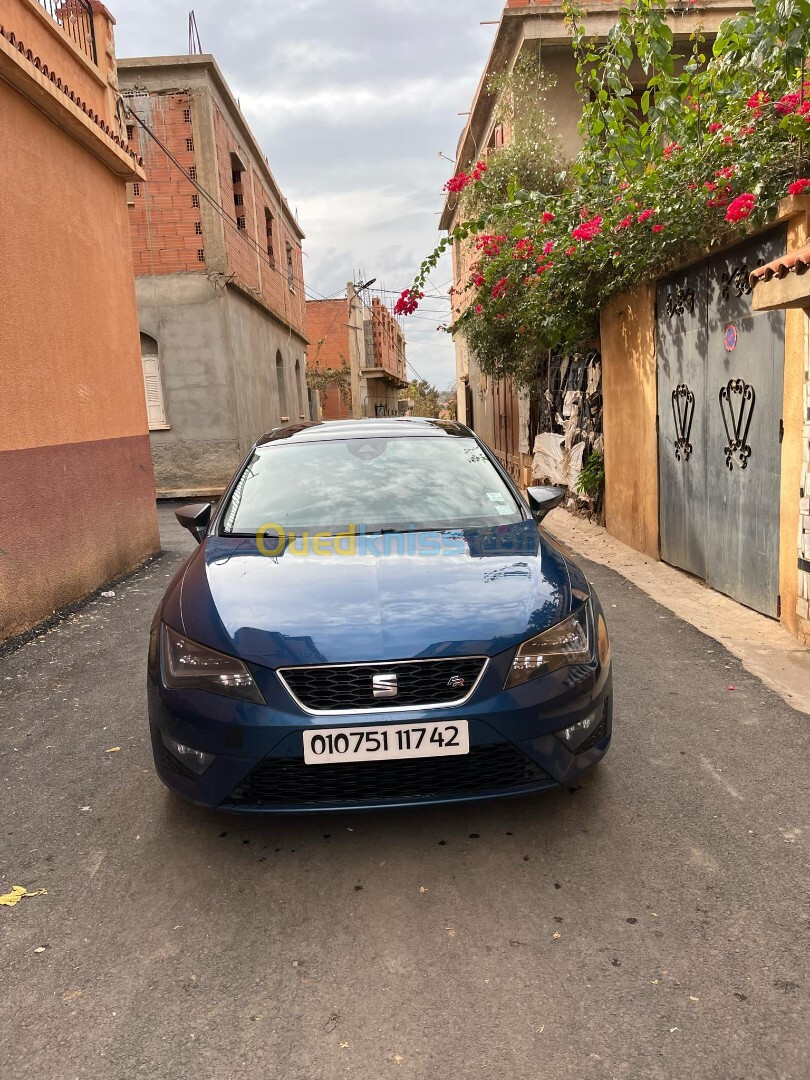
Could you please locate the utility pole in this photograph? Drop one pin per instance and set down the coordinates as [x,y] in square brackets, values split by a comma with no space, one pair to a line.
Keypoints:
[357,347]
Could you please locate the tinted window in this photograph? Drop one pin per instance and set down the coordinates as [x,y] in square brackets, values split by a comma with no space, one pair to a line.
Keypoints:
[399,483]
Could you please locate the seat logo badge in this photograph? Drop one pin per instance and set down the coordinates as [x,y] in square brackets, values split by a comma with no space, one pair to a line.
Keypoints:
[383,686]
[456,683]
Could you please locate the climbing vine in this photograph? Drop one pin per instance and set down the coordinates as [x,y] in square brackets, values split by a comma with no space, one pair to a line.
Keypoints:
[705,150]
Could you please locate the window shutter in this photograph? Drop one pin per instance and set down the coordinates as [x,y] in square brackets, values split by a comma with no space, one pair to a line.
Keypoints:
[154,393]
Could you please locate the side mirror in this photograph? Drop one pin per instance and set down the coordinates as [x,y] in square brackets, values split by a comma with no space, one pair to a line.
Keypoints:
[195,518]
[542,499]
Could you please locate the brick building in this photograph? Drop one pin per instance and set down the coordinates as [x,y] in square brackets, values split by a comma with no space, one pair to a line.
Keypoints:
[76,478]
[219,275]
[366,343]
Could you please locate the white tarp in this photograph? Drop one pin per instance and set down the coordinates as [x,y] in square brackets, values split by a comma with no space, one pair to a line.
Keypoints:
[555,460]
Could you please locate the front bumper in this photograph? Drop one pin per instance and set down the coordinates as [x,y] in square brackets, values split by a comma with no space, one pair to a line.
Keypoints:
[259,767]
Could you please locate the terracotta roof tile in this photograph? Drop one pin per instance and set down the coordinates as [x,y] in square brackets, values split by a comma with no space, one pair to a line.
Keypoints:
[797,262]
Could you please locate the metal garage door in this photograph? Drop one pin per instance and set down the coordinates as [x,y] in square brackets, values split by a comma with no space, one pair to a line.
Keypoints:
[719,425]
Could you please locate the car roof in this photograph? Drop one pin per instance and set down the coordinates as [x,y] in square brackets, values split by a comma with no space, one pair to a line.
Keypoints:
[383,427]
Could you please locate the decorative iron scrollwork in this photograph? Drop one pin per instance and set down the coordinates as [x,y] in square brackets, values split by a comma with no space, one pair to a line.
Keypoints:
[679,301]
[737,280]
[737,400]
[683,409]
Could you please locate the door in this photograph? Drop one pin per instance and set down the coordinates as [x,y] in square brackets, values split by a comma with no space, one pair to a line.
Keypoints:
[507,426]
[720,368]
[745,367]
[682,345]
[469,419]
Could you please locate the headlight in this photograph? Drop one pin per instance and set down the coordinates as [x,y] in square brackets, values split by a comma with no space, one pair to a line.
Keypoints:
[186,665]
[564,644]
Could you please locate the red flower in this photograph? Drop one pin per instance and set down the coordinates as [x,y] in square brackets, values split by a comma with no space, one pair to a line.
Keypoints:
[625,223]
[787,104]
[670,150]
[571,250]
[407,302]
[500,316]
[499,288]
[547,217]
[645,215]
[548,247]
[715,127]
[798,187]
[757,101]
[524,249]
[478,309]
[658,228]
[727,140]
[725,173]
[740,208]
[588,229]
[479,170]
[489,245]
[458,183]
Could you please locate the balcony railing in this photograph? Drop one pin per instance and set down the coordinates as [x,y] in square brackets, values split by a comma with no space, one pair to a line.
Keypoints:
[76,19]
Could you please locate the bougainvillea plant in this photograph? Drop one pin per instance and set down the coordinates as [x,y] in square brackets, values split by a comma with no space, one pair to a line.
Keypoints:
[707,150]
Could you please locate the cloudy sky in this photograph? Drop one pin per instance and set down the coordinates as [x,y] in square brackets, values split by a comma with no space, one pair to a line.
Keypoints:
[352,103]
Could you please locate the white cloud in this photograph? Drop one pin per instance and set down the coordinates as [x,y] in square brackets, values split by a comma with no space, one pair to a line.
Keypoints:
[355,104]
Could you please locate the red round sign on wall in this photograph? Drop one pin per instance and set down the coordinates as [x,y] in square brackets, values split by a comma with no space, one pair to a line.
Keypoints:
[730,337]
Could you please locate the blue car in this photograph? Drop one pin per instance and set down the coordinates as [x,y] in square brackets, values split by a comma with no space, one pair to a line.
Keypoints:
[374,618]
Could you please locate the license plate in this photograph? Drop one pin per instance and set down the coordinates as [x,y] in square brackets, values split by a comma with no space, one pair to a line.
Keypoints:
[387,742]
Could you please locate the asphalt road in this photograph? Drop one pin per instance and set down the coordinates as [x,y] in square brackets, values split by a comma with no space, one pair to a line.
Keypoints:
[651,923]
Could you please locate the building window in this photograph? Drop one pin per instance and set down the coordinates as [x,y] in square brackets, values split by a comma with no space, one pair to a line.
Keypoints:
[237,171]
[130,132]
[192,172]
[268,224]
[189,144]
[290,268]
[195,200]
[187,115]
[198,228]
[136,189]
[200,254]
[153,387]
[281,384]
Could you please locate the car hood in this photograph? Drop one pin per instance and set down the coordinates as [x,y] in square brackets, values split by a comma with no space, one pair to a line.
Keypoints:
[454,593]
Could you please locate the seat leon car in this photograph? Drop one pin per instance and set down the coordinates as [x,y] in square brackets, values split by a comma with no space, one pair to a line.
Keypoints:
[374,617]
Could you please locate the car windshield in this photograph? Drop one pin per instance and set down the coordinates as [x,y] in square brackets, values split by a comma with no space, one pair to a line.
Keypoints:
[373,484]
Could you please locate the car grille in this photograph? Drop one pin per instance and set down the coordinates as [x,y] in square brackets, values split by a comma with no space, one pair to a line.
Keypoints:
[347,687]
[290,782]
